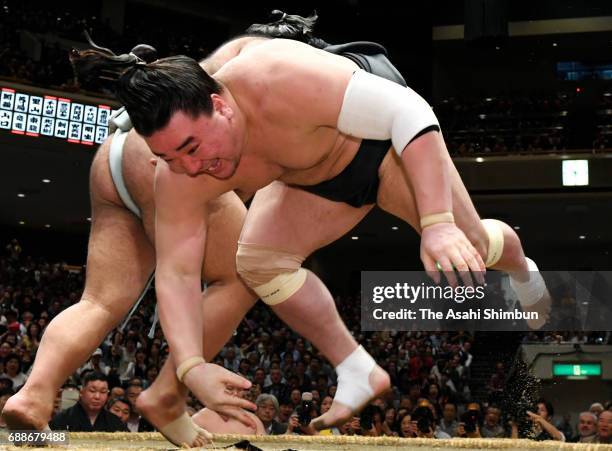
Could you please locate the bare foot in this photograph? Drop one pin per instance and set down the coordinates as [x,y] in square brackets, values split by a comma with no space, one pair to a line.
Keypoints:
[167,413]
[24,412]
[339,413]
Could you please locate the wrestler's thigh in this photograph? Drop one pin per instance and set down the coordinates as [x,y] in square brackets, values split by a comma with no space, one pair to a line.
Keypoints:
[120,258]
[297,221]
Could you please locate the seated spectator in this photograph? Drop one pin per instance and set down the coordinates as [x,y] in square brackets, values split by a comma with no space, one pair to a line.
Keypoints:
[12,371]
[407,427]
[136,423]
[325,405]
[424,419]
[371,420]
[389,423]
[277,387]
[498,379]
[465,355]
[449,423]
[5,383]
[151,374]
[267,411]
[121,408]
[95,363]
[117,392]
[492,427]
[6,349]
[88,414]
[285,410]
[469,426]
[259,376]
[587,427]
[4,396]
[596,408]
[297,427]
[604,427]
[32,339]
[542,422]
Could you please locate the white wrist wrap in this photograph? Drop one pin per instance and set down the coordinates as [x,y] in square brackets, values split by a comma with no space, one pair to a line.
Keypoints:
[376,108]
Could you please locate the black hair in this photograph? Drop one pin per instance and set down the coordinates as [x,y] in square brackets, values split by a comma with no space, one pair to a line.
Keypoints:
[151,89]
[549,407]
[94,376]
[112,402]
[289,26]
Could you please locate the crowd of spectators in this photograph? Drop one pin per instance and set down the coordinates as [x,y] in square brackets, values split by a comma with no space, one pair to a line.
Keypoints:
[519,124]
[430,372]
[505,124]
[56,29]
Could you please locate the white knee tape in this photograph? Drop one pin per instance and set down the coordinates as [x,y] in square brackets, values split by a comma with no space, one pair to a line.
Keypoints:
[273,274]
[282,287]
[496,241]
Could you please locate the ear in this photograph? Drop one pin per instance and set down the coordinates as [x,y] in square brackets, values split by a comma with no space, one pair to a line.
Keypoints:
[220,106]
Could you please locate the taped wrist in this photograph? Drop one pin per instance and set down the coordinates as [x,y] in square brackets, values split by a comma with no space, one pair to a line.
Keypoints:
[188,365]
[437,218]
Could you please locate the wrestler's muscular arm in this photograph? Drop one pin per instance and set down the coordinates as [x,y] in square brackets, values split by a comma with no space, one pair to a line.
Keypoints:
[180,238]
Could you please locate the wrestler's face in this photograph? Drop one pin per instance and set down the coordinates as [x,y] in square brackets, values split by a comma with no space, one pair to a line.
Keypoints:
[199,145]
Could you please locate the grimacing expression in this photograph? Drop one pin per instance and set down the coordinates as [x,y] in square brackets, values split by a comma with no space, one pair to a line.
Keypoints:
[199,145]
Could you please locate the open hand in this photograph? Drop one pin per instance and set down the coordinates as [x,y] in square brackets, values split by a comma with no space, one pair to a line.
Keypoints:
[444,247]
[216,388]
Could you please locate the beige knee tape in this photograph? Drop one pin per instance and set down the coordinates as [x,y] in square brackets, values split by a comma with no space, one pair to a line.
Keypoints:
[273,274]
[496,241]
